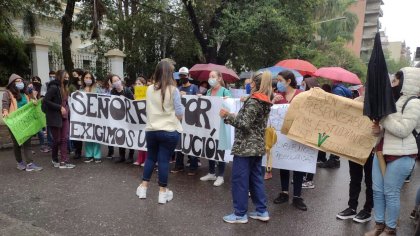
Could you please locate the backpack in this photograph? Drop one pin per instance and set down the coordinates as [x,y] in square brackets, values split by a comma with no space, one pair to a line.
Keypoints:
[270,141]
[415,133]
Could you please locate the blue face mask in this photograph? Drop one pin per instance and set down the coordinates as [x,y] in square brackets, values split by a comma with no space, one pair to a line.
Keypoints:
[20,85]
[248,88]
[30,90]
[281,87]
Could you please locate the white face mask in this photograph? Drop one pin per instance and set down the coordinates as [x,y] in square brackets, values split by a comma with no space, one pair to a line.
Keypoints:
[202,89]
[117,84]
[212,82]
[88,82]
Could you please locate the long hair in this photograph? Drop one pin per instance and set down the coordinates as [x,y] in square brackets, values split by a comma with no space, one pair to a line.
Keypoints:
[219,75]
[163,78]
[263,83]
[59,76]
[288,75]
[93,85]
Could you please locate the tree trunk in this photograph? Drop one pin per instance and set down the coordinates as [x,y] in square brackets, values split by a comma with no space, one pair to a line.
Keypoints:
[209,51]
[121,18]
[67,27]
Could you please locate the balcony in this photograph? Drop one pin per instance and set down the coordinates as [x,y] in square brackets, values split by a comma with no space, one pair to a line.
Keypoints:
[377,11]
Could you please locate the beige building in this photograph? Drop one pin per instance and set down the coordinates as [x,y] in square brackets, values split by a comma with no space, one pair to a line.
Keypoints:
[398,51]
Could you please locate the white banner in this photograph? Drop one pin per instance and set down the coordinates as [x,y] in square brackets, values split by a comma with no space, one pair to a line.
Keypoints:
[118,121]
[121,122]
[288,154]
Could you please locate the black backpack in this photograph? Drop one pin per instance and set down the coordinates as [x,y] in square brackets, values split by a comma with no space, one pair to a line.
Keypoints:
[415,133]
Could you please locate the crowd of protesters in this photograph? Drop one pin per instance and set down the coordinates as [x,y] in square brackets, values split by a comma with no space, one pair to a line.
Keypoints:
[163,127]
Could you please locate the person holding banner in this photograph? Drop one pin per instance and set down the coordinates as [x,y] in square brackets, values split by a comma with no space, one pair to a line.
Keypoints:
[217,89]
[163,127]
[287,87]
[400,150]
[75,84]
[13,99]
[57,113]
[248,148]
[186,88]
[141,156]
[92,150]
[119,89]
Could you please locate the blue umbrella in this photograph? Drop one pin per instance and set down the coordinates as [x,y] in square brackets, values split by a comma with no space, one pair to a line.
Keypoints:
[277,69]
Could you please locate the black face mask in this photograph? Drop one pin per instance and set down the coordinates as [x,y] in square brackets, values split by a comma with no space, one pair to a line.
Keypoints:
[396,92]
[66,82]
[184,80]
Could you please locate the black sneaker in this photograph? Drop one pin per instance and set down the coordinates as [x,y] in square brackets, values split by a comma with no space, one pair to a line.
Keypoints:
[363,216]
[129,160]
[299,204]
[88,159]
[177,169]
[331,163]
[282,198]
[413,214]
[77,156]
[346,214]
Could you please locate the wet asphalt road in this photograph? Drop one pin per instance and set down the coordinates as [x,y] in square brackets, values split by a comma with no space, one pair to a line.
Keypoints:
[99,199]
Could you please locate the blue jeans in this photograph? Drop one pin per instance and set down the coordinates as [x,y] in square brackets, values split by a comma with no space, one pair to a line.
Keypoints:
[160,148]
[247,177]
[41,137]
[220,168]
[386,189]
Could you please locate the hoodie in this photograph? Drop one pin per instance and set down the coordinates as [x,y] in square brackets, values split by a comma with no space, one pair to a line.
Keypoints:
[398,137]
[8,102]
[250,124]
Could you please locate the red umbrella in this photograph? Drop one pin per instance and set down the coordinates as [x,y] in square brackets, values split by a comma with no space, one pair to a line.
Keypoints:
[201,72]
[303,67]
[338,74]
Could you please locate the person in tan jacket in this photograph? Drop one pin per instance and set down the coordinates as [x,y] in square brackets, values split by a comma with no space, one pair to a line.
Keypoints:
[14,98]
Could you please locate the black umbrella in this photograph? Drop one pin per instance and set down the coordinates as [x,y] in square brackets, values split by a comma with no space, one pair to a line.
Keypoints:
[379,101]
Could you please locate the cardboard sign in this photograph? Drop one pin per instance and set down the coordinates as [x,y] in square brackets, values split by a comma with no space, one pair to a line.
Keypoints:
[330,123]
[140,92]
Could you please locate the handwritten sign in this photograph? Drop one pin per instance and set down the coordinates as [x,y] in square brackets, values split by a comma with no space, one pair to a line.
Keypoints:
[288,154]
[26,121]
[238,93]
[330,123]
[140,92]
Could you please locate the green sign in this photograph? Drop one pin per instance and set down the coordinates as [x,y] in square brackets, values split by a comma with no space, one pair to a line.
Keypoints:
[26,121]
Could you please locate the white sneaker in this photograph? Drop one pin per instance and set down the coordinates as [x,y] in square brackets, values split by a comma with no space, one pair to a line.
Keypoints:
[141,192]
[219,181]
[165,197]
[209,177]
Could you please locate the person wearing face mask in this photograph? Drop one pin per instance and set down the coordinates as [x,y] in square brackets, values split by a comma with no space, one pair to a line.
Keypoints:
[57,114]
[248,86]
[397,84]
[217,89]
[92,150]
[34,88]
[13,99]
[186,88]
[119,89]
[204,86]
[75,84]
[287,86]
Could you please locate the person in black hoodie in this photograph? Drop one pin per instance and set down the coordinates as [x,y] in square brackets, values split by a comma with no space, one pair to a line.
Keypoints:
[119,89]
[56,108]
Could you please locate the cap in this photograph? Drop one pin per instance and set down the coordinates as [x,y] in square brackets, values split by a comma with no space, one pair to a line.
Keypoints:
[183,71]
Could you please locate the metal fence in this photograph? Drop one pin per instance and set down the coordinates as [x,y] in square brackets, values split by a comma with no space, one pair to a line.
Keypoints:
[98,65]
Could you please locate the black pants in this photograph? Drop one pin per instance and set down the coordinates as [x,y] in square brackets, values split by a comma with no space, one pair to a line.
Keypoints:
[122,153]
[297,181]
[356,176]
[77,147]
[25,148]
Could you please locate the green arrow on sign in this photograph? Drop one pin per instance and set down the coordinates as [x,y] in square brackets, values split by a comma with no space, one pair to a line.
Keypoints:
[322,138]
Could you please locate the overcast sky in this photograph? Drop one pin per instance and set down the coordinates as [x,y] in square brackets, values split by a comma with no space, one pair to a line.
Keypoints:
[401,21]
